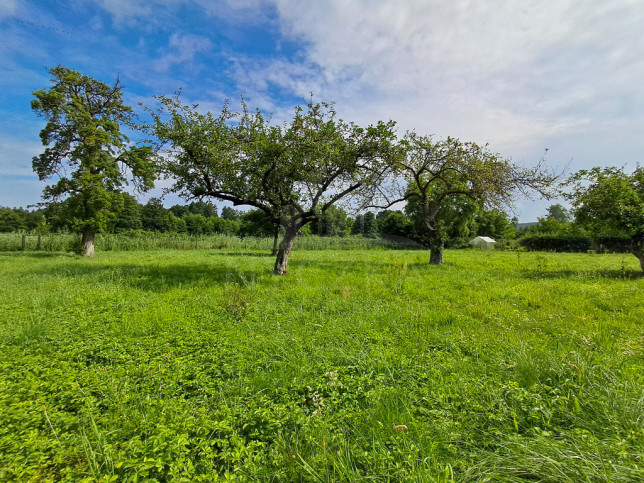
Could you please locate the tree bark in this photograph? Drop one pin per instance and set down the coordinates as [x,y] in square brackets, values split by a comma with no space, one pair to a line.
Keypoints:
[281,263]
[275,239]
[88,243]
[436,252]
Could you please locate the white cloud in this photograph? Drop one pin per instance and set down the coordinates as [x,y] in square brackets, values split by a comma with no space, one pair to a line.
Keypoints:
[510,73]
[8,8]
[161,13]
[521,76]
[126,10]
[18,183]
[15,156]
[182,48]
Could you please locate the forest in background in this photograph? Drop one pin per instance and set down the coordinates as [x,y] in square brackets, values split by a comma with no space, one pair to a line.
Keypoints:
[556,231]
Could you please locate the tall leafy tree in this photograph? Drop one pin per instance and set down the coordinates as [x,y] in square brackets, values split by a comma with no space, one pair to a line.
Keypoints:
[444,181]
[609,201]
[334,222]
[293,173]
[256,223]
[370,226]
[358,225]
[559,213]
[129,218]
[396,223]
[10,220]
[228,213]
[87,153]
[494,223]
[203,208]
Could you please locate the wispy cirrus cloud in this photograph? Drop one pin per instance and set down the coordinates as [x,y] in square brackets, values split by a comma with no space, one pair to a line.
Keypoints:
[8,8]
[182,48]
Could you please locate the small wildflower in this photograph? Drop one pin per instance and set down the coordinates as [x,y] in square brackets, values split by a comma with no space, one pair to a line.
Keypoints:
[316,400]
[333,378]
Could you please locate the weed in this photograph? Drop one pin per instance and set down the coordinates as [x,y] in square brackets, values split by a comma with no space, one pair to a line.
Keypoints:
[236,300]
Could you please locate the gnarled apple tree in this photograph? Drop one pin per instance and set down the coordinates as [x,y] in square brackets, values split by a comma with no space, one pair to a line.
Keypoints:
[293,173]
[443,178]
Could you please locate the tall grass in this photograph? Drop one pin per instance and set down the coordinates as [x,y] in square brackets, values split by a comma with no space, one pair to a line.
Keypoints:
[163,241]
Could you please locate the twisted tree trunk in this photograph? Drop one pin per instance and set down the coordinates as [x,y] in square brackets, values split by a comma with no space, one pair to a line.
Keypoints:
[436,248]
[637,249]
[275,240]
[88,243]
[281,263]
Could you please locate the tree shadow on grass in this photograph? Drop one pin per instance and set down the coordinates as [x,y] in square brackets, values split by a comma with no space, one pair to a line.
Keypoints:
[36,255]
[152,278]
[583,274]
[344,265]
[245,254]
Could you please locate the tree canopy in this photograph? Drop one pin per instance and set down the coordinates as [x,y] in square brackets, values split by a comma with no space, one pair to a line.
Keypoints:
[293,173]
[610,201]
[87,151]
[445,181]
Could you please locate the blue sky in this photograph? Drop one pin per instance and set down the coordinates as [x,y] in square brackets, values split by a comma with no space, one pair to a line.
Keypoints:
[522,76]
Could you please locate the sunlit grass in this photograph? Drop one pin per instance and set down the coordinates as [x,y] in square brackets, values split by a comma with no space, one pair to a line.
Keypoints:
[201,364]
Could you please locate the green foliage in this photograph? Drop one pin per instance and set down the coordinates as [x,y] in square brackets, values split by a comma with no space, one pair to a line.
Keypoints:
[447,181]
[154,217]
[358,225]
[557,242]
[369,225]
[228,213]
[130,215]
[201,366]
[86,151]
[19,219]
[294,174]
[203,208]
[613,243]
[397,224]
[494,224]
[333,222]
[256,223]
[609,201]
[453,219]
[559,213]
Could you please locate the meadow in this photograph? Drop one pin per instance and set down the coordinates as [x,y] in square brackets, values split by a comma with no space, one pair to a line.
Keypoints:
[358,365]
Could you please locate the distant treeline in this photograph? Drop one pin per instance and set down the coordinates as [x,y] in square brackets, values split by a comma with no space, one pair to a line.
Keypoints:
[555,232]
[205,218]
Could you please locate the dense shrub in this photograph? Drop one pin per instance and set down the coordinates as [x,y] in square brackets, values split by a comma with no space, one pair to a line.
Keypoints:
[557,242]
[613,243]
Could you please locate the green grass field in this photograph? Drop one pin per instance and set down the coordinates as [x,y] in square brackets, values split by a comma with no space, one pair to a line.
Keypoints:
[365,365]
